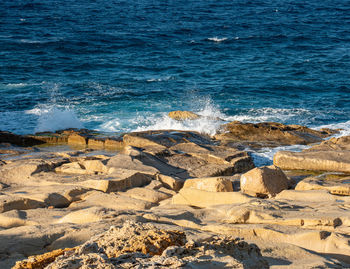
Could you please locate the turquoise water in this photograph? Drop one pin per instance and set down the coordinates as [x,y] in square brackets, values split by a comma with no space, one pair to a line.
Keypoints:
[120,66]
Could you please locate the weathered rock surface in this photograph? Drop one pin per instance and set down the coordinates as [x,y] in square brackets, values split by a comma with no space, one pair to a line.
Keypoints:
[213,184]
[334,161]
[143,245]
[269,134]
[183,115]
[202,198]
[336,186]
[264,181]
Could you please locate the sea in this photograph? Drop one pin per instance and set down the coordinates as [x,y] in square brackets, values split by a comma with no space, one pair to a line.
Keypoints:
[118,66]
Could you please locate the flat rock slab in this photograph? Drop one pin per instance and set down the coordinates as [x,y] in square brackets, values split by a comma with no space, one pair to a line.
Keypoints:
[270,134]
[213,184]
[333,161]
[339,186]
[202,198]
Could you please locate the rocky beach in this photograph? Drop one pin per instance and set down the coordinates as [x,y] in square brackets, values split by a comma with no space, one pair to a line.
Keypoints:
[78,198]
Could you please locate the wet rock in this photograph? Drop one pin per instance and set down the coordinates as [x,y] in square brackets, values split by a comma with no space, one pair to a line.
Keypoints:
[264,181]
[18,140]
[183,115]
[165,138]
[213,184]
[269,134]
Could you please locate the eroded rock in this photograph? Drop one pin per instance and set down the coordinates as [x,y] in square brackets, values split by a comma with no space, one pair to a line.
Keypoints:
[264,181]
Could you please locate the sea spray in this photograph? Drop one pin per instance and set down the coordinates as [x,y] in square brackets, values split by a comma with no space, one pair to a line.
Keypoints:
[54,118]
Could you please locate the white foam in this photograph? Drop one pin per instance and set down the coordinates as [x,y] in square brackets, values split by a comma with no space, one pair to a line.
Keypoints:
[264,156]
[271,114]
[344,126]
[110,126]
[54,118]
[217,39]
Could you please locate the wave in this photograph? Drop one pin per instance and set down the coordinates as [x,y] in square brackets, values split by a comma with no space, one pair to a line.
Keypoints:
[217,39]
[53,118]
[282,115]
[343,126]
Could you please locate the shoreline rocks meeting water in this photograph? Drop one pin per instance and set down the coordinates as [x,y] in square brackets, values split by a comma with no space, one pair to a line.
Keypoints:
[169,198]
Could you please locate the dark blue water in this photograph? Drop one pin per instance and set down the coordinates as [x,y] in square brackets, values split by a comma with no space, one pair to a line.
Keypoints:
[122,65]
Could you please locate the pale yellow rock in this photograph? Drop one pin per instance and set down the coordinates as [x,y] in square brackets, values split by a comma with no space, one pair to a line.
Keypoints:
[214,184]
[71,168]
[171,182]
[202,198]
[87,215]
[119,180]
[183,115]
[145,194]
[335,161]
[309,196]
[337,187]
[264,181]
[94,166]
[8,203]
[112,201]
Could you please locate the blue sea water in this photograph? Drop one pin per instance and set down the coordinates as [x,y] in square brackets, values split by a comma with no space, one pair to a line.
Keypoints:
[119,66]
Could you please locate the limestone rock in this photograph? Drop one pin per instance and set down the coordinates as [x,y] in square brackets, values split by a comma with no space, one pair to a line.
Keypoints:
[145,246]
[94,166]
[41,261]
[213,184]
[264,181]
[165,138]
[337,187]
[112,201]
[270,134]
[145,194]
[183,115]
[335,161]
[8,203]
[202,198]
[71,168]
[77,139]
[171,182]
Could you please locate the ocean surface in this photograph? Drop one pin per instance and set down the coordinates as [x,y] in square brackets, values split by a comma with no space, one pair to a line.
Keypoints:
[120,66]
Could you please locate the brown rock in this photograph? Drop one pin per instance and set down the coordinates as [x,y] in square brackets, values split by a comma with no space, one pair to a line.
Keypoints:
[213,184]
[165,138]
[269,133]
[113,144]
[96,143]
[41,261]
[18,140]
[183,115]
[264,181]
[76,139]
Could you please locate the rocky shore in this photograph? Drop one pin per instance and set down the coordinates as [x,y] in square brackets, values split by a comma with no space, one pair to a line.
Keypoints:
[171,199]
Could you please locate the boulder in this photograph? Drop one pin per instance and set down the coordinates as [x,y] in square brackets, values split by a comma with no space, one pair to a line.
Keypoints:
[269,134]
[72,168]
[94,166]
[335,161]
[264,181]
[202,198]
[171,182]
[337,187]
[183,115]
[213,184]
